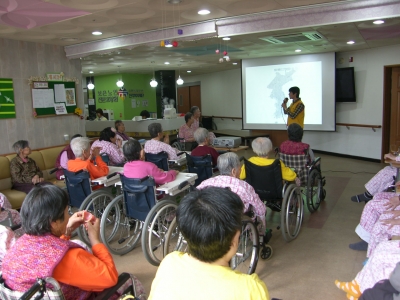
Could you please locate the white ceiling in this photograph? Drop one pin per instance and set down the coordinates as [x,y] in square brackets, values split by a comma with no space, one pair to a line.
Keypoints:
[145,22]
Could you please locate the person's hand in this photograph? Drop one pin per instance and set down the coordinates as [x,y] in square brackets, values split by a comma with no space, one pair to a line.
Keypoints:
[41,179]
[95,151]
[93,229]
[392,203]
[298,181]
[35,179]
[74,222]
[393,213]
[390,156]
[391,222]
[119,143]
[166,139]
[284,103]
[176,172]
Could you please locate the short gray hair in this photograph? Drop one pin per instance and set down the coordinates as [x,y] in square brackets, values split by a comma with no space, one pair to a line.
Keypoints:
[200,135]
[21,144]
[154,129]
[79,144]
[262,146]
[227,162]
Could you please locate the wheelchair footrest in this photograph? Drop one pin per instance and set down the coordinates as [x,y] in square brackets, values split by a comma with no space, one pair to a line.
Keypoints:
[267,236]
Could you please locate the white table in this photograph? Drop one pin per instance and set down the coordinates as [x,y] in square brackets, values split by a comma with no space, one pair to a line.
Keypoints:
[171,188]
[181,160]
[111,181]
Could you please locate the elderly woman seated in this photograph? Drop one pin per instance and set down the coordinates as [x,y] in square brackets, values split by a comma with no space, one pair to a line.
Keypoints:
[159,142]
[262,147]
[107,144]
[210,220]
[229,168]
[120,130]
[185,131]
[85,160]
[62,159]
[195,110]
[46,250]
[294,146]
[136,167]
[25,174]
[201,137]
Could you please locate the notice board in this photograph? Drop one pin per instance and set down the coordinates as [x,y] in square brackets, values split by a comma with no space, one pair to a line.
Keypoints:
[50,98]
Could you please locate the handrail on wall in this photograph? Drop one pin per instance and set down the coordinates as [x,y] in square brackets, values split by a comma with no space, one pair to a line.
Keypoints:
[373,127]
[222,118]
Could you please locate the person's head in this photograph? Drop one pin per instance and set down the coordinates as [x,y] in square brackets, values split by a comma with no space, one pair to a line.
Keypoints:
[201,136]
[119,126]
[75,136]
[22,148]
[81,147]
[107,135]
[195,110]
[155,130]
[133,150]
[189,119]
[262,146]
[145,114]
[99,112]
[295,132]
[45,210]
[229,164]
[210,220]
[294,92]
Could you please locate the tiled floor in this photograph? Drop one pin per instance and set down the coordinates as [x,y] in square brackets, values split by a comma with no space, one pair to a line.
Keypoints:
[306,267]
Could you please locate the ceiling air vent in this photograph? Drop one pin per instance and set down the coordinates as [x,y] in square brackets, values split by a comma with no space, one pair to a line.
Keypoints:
[294,38]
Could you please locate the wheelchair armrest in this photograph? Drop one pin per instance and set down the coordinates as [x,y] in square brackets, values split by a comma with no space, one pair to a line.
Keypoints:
[111,175]
[183,184]
[78,172]
[53,170]
[180,153]
[315,161]
[108,293]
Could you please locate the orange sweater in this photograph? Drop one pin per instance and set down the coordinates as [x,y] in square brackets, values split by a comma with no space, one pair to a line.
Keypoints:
[90,272]
[78,164]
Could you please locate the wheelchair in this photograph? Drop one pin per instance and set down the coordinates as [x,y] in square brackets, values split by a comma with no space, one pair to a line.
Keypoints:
[284,198]
[309,173]
[182,145]
[201,165]
[49,288]
[135,215]
[81,197]
[160,159]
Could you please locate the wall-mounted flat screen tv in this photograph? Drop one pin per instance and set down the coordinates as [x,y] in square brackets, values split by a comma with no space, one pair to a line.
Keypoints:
[345,87]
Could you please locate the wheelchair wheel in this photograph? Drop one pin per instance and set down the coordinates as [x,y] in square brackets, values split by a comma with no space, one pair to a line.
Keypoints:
[155,229]
[95,203]
[119,232]
[174,240]
[266,252]
[314,190]
[246,257]
[291,213]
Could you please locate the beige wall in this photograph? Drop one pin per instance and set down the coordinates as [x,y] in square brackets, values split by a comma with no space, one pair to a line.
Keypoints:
[20,60]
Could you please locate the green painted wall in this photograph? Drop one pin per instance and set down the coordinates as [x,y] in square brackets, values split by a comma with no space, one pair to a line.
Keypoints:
[139,91]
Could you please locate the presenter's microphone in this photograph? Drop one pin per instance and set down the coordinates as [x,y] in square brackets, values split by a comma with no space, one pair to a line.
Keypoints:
[285,100]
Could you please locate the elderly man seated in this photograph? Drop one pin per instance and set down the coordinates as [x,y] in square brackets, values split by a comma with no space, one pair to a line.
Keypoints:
[229,168]
[159,142]
[85,160]
[262,147]
[202,138]
[210,221]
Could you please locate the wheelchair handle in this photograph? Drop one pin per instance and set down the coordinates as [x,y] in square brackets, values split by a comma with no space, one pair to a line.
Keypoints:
[180,153]
[111,175]
[53,170]
[78,172]
[40,285]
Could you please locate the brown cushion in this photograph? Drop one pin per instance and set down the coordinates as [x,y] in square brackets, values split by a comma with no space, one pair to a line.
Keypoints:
[15,197]
[50,156]
[4,168]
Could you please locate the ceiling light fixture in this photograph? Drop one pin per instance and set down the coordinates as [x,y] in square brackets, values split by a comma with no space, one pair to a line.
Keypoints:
[90,86]
[227,38]
[91,72]
[153,82]
[350,42]
[180,80]
[297,50]
[235,63]
[378,22]
[97,33]
[203,12]
[166,63]
[120,83]
[189,71]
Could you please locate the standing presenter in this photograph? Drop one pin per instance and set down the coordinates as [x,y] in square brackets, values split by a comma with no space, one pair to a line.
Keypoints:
[295,111]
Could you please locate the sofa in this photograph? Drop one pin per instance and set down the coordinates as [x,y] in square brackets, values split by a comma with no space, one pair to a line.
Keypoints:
[45,159]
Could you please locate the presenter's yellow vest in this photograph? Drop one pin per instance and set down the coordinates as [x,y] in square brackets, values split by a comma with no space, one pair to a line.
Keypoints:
[300,117]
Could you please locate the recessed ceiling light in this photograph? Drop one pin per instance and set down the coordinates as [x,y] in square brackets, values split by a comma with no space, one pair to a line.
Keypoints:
[350,42]
[168,45]
[377,22]
[189,71]
[297,50]
[227,38]
[203,12]
[166,63]
[97,33]
[91,72]
[234,64]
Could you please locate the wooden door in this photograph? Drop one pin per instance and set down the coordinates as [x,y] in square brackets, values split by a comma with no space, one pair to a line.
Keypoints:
[183,104]
[195,96]
[395,108]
